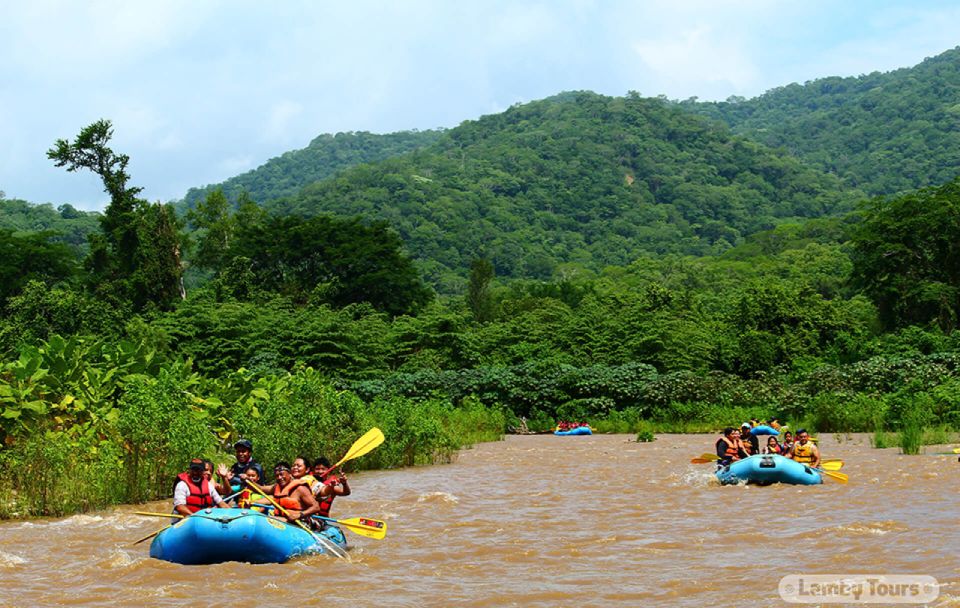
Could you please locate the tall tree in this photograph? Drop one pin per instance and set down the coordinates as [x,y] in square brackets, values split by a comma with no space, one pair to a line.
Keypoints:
[212,218]
[137,258]
[479,299]
[907,257]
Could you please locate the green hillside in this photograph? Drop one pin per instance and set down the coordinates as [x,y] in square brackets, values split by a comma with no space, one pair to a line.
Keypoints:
[65,224]
[883,132]
[581,180]
[326,154]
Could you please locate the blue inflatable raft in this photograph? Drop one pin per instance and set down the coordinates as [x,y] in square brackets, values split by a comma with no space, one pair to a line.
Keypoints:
[580,430]
[213,536]
[766,469]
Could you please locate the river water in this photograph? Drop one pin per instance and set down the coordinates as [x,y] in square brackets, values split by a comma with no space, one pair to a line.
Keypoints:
[540,521]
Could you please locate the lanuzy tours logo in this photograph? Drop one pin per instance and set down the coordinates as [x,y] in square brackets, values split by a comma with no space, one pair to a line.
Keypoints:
[859,588]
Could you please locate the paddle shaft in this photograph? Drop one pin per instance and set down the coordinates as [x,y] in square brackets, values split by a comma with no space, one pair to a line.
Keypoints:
[330,546]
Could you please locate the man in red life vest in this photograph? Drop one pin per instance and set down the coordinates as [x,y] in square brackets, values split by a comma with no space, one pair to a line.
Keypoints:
[193,491]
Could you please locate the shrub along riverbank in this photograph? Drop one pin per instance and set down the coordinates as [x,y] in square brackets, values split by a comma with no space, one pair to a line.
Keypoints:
[89,423]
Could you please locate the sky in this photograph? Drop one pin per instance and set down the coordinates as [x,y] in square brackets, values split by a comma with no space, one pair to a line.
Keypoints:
[201,91]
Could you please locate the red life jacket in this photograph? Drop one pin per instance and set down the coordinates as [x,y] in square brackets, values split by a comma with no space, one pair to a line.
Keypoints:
[199,496]
[327,501]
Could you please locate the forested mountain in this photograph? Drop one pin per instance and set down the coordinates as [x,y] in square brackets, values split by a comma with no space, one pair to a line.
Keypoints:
[883,132]
[65,224]
[577,179]
[324,156]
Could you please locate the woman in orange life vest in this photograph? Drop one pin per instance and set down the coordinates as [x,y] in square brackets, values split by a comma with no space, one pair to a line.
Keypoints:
[729,447]
[193,491]
[335,485]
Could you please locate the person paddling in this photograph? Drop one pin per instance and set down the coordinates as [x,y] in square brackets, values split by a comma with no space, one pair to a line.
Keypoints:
[804,450]
[193,491]
[729,447]
[293,495]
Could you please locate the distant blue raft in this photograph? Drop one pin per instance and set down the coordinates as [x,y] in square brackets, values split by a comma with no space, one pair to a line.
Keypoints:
[580,430]
[764,430]
[766,469]
[213,536]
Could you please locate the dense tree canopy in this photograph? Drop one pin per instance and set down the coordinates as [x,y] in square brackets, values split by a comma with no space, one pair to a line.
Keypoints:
[575,179]
[907,257]
[883,133]
[323,157]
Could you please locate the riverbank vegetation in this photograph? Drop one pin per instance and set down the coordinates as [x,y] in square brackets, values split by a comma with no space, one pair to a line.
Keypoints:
[698,281]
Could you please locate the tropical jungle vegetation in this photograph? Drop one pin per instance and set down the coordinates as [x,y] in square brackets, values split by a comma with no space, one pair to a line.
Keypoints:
[634,262]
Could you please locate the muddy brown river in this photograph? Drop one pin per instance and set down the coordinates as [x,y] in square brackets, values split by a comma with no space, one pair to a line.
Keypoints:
[540,521]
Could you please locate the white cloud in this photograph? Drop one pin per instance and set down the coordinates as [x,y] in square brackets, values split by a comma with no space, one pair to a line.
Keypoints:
[280,121]
[692,57]
[235,165]
[200,91]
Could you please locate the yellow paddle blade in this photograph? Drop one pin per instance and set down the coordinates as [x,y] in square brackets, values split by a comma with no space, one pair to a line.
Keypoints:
[956,450]
[841,477]
[173,515]
[364,526]
[708,457]
[831,465]
[365,444]
[700,461]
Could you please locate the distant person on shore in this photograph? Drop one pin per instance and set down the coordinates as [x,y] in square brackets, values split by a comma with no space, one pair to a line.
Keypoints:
[233,477]
[194,492]
[804,450]
[729,447]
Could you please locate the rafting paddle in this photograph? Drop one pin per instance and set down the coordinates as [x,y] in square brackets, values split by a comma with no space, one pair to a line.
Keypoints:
[173,515]
[321,540]
[841,477]
[364,445]
[705,458]
[148,536]
[364,526]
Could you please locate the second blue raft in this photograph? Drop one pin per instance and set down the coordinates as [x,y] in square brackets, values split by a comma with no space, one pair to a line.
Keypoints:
[767,469]
[213,536]
[580,430]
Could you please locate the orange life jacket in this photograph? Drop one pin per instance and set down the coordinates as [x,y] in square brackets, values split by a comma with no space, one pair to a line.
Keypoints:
[283,495]
[731,453]
[199,496]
